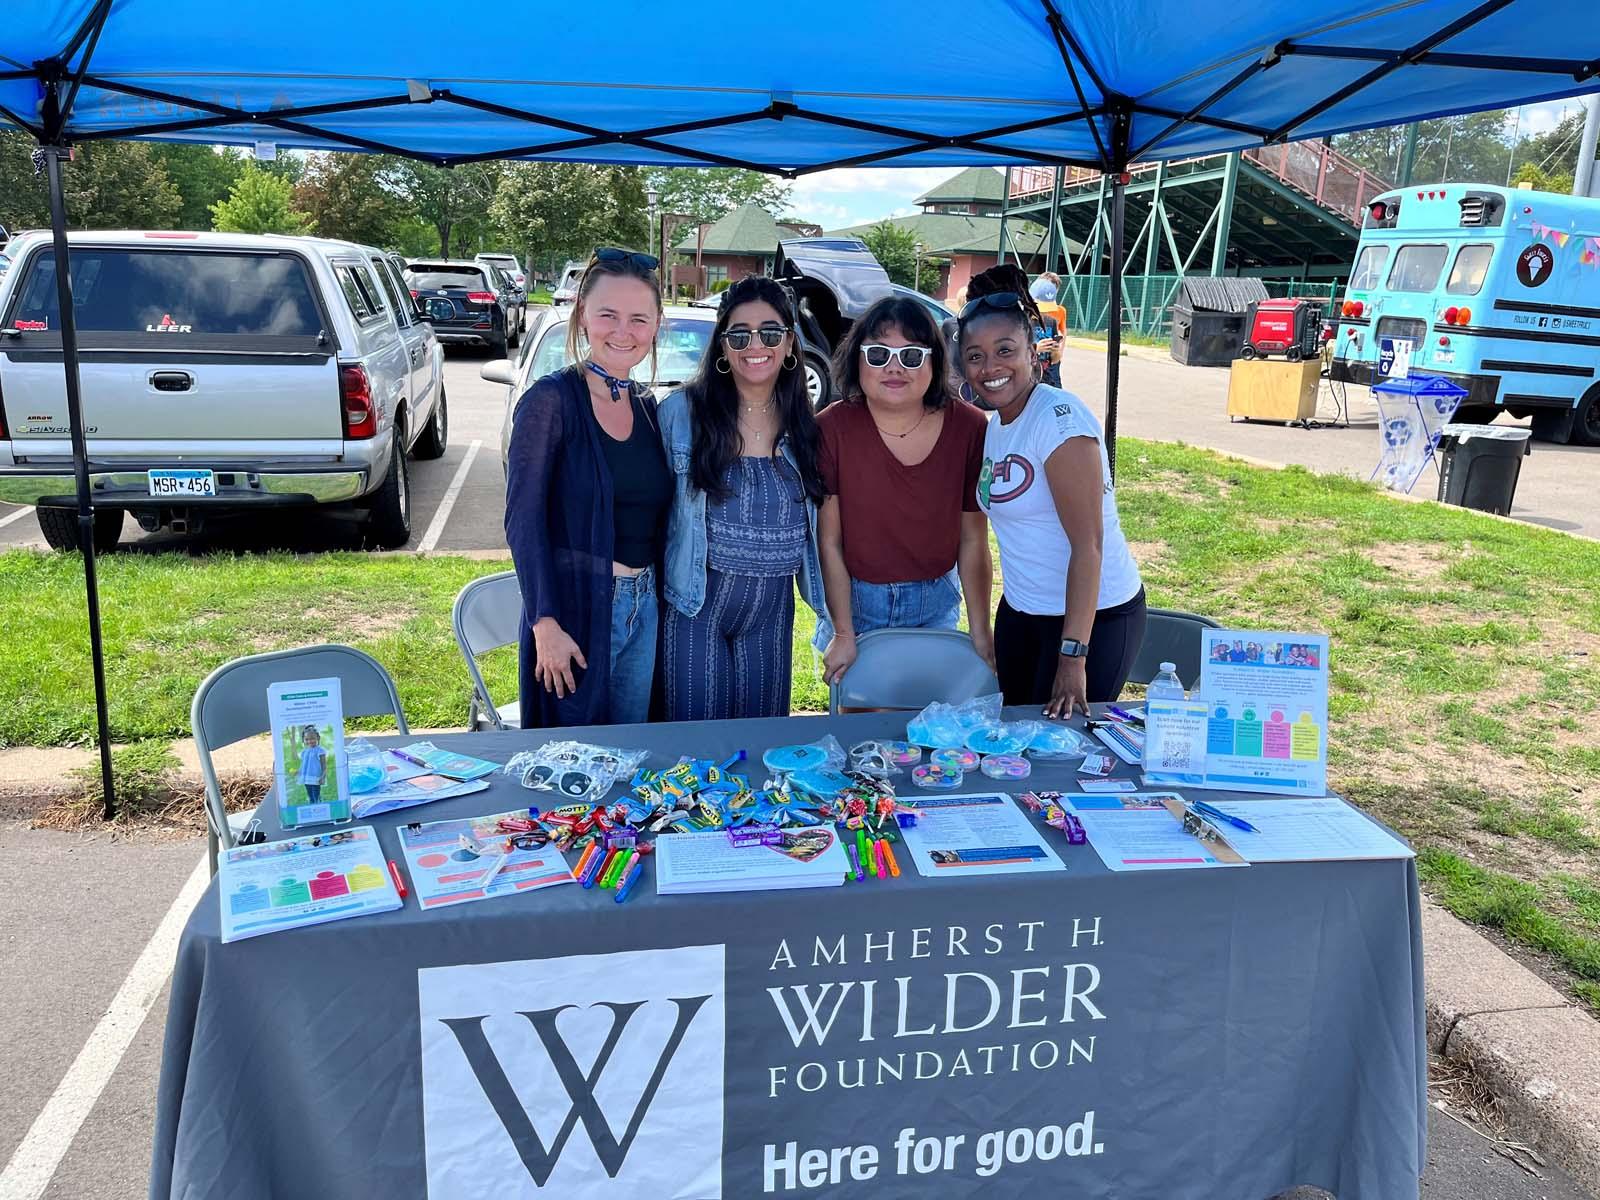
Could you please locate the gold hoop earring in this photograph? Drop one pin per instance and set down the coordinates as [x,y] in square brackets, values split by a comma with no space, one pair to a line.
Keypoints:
[722,366]
[790,362]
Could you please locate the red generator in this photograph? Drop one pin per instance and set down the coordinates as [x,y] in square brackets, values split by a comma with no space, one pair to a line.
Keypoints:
[1291,328]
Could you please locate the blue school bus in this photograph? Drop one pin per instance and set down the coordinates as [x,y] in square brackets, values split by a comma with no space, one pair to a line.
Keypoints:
[1496,289]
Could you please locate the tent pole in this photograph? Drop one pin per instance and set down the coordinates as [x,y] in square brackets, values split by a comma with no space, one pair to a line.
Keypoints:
[1114,316]
[80,462]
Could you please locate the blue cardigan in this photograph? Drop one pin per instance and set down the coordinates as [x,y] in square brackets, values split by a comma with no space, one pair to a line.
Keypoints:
[560,528]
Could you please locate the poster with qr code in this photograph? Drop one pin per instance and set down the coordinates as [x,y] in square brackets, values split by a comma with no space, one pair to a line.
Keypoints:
[1175,743]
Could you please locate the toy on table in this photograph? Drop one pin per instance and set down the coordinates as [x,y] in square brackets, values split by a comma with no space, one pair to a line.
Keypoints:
[1006,766]
[937,775]
[1060,742]
[956,758]
[1005,738]
[826,752]
[941,724]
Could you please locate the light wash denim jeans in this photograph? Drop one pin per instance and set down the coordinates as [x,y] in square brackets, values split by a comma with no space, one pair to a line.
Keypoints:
[634,622]
[920,604]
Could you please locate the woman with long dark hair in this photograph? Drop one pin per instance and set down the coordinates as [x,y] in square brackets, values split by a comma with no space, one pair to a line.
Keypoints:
[743,447]
[587,490]
[901,536]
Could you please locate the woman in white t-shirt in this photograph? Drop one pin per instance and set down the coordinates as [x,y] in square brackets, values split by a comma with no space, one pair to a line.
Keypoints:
[1072,613]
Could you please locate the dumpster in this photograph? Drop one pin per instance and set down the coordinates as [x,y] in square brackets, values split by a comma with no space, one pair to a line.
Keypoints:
[1480,465]
[1208,319]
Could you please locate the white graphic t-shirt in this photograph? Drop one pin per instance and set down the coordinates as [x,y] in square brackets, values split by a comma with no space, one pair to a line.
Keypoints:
[1013,491]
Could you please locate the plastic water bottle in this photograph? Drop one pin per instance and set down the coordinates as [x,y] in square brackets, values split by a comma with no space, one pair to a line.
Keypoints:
[1167,685]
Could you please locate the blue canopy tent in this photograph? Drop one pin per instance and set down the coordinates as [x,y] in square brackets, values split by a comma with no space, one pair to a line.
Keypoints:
[939,83]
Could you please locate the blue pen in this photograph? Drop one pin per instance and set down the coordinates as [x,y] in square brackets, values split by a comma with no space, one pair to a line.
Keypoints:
[1118,711]
[626,885]
[1200,806]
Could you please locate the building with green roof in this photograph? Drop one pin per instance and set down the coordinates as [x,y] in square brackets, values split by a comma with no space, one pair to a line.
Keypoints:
[742,242]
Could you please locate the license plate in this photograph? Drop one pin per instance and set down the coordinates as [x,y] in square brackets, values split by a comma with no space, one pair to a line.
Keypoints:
[1444,356]
[183,483]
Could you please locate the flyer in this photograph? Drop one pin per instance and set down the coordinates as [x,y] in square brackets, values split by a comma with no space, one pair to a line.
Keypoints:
[978,834]
[302,881]
[710,862]
[311,772]
[416,789]
[1266,697]
[1175,743]
[1143,831]
[453,862]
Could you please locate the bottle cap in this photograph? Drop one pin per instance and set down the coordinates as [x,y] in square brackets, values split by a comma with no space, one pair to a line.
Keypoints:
[1173,667]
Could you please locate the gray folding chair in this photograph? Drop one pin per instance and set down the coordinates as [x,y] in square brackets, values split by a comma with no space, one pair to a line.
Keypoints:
[1174,637]
[231,705]
[910,668]
[488,615]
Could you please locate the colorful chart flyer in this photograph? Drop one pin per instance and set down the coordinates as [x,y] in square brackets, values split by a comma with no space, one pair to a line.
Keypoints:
[310,769]
[979,834]
[302,881]
[1266,697]
[452,862]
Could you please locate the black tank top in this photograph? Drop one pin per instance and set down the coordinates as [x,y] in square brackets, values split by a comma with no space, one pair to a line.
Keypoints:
[641,488]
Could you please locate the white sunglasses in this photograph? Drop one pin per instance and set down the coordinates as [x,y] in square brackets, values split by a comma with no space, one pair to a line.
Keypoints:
[909,357]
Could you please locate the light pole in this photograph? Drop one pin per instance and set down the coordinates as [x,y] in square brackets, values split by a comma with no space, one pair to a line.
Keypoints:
[651,196]
[916,277]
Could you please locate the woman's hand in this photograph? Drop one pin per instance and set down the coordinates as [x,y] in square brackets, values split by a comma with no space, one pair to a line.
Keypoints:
[836,659]
[1070,691]
[554,654]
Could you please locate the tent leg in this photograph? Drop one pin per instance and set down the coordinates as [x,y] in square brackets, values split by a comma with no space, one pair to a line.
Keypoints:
[1114,317]
[80,463]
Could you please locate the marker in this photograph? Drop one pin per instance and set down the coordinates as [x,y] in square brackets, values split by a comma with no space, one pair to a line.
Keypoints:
[593,873]
[1200,806]
[866,854]
[619,868]
[888,852]
[583,859]
[399,884]
[855,861]
[631,878]
[877,854]
[606,867]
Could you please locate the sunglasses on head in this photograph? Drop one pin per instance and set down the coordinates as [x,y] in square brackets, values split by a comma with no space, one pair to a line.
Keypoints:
[770,335]
[996,300]
[645,262]
[909,357]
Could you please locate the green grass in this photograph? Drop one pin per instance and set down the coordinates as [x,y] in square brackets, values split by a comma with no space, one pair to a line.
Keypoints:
[1465,666]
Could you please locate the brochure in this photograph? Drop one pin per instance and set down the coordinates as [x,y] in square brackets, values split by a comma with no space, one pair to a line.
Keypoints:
[310,770]
[1143,831]
[302,881]
[709,862]
[445,762]
[977,834]
[1266,696]
[453,862]
[417,789]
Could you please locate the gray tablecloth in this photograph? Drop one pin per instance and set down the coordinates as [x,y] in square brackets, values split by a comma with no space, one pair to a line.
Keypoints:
[1206,1034]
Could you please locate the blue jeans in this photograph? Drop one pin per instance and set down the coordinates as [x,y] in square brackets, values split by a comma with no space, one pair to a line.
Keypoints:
[920,604]
[634,620]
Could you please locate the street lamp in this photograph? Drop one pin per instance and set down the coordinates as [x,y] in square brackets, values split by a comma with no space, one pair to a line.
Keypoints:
[650,198]
[917,248]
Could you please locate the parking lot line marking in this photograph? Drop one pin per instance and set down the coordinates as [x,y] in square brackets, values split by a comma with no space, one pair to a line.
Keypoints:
[34,1163]
[16,516]
[436,526]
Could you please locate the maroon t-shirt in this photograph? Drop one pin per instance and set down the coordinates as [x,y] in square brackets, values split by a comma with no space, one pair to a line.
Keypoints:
[898,523]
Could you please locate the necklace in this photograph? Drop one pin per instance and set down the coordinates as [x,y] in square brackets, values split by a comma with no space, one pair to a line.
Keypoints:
[886,433]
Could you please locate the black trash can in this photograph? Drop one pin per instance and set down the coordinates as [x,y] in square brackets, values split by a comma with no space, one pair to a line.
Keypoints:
[1208,319]
[1479,465]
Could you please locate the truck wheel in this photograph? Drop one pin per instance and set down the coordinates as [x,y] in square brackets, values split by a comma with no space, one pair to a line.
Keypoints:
[389,523]
[60,527]
[1586,421]
[436,435]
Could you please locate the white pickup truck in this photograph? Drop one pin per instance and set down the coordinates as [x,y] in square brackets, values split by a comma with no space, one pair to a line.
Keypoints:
[220,372]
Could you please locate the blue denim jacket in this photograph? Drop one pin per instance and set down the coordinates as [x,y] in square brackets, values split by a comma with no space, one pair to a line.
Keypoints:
[685,584]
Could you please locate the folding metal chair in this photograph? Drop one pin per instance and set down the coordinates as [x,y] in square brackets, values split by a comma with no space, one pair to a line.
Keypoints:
[231,705]
[1174,637]
[486,616]
[910,668]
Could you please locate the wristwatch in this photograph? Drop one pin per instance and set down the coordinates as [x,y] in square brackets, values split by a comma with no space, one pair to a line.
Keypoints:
[1072,648]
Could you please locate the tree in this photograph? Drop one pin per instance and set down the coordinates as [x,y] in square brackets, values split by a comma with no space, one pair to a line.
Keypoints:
[896,249]
[349,196]
[1554,154]
[202,174]
[706,193]
[107,185]
[1542,180]
[453,200]
[258,202]
[1466,149]
[565,210]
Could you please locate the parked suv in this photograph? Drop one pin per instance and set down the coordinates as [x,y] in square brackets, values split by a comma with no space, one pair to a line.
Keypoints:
[220,372]
[508,266]
[469,303]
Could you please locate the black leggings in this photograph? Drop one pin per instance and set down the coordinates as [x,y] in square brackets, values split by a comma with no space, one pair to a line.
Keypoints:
[1027,649]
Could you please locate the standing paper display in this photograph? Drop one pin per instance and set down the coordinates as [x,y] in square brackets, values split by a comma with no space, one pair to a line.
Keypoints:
[311,775]
[1266,697]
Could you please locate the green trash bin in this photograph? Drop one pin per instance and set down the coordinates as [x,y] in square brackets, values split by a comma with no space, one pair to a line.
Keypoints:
[1479,465]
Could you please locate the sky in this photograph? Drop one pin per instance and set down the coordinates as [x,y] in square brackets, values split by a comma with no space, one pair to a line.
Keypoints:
[859,195]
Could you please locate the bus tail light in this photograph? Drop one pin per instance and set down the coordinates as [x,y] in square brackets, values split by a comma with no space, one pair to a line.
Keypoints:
[1463,316]
[1450,315]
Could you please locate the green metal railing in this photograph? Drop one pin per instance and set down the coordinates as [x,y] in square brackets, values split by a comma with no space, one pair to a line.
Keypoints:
[1147,301]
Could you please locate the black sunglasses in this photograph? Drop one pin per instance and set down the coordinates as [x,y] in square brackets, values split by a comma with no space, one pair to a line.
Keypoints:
[996,300]
[770,335]
[645,262]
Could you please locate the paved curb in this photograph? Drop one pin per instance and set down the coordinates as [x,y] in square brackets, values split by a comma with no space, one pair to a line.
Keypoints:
[1537,1052]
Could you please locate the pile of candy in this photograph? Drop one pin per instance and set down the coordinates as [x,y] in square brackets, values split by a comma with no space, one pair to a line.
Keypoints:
[1047,806]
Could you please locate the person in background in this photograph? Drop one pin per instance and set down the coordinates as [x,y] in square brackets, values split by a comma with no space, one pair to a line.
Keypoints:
[743,444]
[900,534]
[1072,614]
[587,491]
[1052,325]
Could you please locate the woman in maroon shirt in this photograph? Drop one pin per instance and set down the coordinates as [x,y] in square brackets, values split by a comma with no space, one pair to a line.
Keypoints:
[900,464]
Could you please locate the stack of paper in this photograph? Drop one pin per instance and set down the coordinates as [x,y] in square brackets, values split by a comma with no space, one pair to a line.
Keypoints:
[1324,829]
[302,881]
[418,789]
[452,862]
[708,862]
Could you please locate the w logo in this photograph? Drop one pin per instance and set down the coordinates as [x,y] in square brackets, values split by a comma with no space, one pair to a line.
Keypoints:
[507,1084]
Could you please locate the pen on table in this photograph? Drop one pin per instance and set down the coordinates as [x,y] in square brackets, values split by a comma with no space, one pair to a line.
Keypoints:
[412,759]
[1124,714]
[1217,814]
[629,879]
[399,883]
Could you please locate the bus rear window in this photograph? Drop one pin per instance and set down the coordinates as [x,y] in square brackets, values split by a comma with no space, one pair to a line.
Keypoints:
[1472,264]
[1417,268]
[1368,271]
